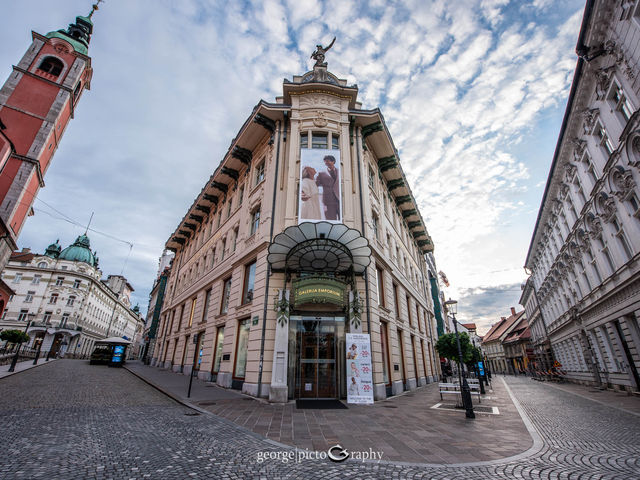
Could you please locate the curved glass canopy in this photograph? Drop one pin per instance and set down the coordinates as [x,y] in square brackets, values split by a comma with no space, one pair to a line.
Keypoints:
[321,247]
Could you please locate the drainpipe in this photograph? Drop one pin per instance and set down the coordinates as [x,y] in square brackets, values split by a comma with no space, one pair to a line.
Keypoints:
[266,288]
[366,275]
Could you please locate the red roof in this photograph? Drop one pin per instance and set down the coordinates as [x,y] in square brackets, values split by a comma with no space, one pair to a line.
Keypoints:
[501,327]
[469,326]
[21,256]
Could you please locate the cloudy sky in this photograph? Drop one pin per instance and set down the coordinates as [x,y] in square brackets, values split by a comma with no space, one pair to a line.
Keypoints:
[473,93]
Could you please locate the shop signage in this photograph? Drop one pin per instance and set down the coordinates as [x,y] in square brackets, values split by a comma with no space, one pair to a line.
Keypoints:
[359,370]
[318,290]
[481,368]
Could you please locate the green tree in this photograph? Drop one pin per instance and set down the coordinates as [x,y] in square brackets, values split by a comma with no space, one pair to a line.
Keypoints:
[14,336]
[447,347]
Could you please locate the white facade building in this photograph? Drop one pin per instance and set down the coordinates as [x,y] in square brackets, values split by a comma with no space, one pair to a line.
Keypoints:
[64,297]
[585,248]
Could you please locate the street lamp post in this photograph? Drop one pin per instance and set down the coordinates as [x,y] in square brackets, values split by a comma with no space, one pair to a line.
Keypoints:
[12,367]
[452,306]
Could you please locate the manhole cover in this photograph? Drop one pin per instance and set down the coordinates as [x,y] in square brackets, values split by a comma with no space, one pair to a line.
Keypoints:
[192,414]
[389,406]
[206,404]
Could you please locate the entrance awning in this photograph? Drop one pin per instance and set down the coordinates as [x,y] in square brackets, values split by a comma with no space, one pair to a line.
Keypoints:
[321,247]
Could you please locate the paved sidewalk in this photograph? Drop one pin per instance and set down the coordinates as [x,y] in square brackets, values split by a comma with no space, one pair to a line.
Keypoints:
[21,366]
[177,385]
[404,427]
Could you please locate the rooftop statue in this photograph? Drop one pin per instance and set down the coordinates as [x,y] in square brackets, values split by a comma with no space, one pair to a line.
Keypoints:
[318,55]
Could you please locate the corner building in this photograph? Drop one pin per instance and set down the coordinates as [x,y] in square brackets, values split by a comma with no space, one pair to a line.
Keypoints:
[306,231]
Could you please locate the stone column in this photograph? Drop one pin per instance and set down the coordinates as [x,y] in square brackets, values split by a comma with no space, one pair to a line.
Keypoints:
[278,390]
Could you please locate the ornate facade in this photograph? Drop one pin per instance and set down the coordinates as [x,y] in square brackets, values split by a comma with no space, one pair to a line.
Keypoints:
[265,283]
[61,297]
[584,252]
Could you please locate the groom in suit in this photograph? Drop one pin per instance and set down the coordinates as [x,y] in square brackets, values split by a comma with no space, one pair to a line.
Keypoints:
[330,183]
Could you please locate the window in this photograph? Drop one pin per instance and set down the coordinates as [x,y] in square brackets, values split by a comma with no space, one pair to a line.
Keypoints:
[223,249]
[255,221]
[52,66]
[76,284]
[22,317]
[64,267]
[217,356]
[36,279]
[304,140]
[384,341]
[396,300]
[605,251]
[42,265]
[53,299]
[380,283]
[17,278]
[29,297]
[374,225]
[65,319]
[47,317]
[372,179]
[229,207]
[620,102]
[633,203]
[71,300]
[594,265]
[235,239]
[59,281]
[193,308]
[226,292]
[319,140]
[260,172]
[603,139]
[622,239]
[591,171]
[240,195]
[249,280]
[409,310]
[242,348]
[205,308]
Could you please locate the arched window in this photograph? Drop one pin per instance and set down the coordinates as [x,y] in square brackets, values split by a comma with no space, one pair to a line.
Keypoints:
[42,265]
[52,66]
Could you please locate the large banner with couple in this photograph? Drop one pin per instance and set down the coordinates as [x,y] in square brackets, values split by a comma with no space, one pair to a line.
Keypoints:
[320,186]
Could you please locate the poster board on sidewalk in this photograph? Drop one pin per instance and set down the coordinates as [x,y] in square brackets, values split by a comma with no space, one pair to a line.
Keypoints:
[359,371]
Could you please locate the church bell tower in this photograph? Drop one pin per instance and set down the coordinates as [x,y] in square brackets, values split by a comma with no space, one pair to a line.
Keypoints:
[37,102]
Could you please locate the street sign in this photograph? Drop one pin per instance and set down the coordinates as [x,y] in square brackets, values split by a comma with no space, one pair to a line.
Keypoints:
[557,364]
[481,368]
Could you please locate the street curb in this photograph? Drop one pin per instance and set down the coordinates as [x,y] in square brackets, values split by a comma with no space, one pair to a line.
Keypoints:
[30,368]
[201,410]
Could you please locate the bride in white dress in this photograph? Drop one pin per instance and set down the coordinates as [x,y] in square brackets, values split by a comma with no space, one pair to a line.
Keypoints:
[310,196]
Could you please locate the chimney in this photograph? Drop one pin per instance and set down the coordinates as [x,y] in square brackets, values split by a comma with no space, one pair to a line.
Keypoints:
[503,318]
[26,250]
[513,311]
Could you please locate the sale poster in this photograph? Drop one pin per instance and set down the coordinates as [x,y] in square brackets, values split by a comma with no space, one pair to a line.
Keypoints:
[359,370]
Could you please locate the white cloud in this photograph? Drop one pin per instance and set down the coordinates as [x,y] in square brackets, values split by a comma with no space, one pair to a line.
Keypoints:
[458,83]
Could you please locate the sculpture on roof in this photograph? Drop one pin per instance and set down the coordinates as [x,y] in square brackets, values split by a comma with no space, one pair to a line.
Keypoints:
[318,54]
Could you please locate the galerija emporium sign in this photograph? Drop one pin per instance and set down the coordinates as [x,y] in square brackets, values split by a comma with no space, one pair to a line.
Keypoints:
[318,290]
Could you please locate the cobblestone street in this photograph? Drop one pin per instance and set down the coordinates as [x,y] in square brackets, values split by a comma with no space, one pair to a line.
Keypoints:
[69,420]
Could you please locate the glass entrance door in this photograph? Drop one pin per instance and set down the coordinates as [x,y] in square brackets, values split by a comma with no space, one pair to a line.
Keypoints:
[316,352]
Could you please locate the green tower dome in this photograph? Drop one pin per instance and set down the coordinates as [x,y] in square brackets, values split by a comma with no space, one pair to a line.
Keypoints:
[53,250]
[79,251]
